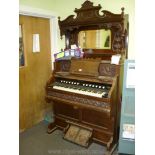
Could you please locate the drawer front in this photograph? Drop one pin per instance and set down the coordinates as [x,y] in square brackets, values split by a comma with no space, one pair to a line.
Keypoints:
[65,110]
[97,118]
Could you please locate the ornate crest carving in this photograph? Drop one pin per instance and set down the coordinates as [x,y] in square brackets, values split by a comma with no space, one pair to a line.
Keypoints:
[88,17]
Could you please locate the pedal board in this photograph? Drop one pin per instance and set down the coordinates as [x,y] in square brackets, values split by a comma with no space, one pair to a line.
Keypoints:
[78,134]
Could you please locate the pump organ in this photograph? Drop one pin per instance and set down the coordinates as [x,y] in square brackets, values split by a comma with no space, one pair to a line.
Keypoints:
[87,91]
[87,98]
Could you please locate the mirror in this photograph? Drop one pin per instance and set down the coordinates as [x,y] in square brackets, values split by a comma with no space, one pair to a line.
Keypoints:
[95,39]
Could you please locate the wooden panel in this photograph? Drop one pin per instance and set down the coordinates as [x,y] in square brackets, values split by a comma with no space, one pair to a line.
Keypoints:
[101,136]
[96,118]
[85,66]
[33,76]
[65,110]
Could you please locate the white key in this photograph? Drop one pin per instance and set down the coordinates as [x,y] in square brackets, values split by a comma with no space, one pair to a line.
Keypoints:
[79,91]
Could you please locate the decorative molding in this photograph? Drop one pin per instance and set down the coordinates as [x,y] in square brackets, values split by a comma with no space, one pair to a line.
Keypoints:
[65,66]
[89,13]
[107,70]
[84,101]
[62,65]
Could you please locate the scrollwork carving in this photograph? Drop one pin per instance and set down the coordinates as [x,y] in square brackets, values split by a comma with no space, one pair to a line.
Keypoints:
[89,18]
[65,66]
[80,100]
[107,70]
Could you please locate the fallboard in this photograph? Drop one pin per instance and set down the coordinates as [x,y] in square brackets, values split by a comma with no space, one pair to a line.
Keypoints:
[85,67]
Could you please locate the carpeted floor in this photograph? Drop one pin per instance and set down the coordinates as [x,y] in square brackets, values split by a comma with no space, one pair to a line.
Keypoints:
[36,141]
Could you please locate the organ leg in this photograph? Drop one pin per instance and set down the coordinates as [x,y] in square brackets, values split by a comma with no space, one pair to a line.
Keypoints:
[110,147]
[51,127]
[110,152]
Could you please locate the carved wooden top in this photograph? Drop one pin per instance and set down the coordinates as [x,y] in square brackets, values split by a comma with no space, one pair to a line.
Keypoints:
[89,18]
[90,14]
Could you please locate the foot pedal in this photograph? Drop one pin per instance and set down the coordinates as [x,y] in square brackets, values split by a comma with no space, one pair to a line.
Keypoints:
[78,134]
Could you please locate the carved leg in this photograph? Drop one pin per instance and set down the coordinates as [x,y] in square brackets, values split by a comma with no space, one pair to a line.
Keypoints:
[110,147]
[110,152]
[51,127]
[109,143]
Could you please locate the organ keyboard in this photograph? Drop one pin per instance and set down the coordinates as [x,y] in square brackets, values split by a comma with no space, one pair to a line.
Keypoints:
[85,91]
[80,87]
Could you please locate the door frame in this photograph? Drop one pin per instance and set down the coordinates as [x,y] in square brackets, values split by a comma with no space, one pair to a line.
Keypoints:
[36,12]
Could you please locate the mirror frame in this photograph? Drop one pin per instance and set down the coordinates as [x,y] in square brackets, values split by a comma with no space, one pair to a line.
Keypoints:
[89,18]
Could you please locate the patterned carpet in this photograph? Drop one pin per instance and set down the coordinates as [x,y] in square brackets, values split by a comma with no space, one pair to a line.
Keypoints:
[36,141]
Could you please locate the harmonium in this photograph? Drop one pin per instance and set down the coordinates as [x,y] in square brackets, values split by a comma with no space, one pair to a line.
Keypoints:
[85,99]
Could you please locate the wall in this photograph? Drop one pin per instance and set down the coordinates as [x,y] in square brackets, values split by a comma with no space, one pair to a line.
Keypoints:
[33,76]
[63,8]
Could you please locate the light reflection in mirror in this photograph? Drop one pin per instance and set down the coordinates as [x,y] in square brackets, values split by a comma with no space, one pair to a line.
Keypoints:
[95,39]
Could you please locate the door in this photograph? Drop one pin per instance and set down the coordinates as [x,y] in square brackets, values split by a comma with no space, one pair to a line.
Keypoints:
[35,72]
